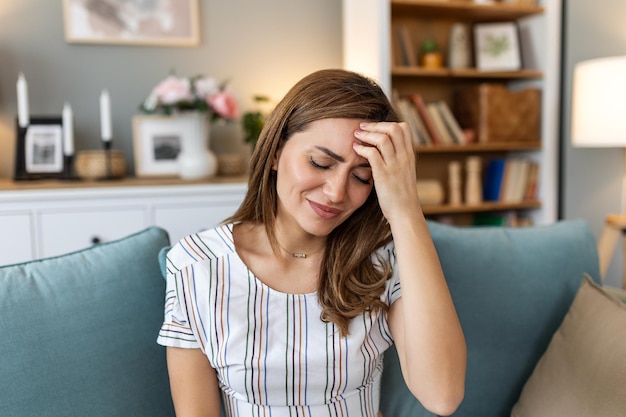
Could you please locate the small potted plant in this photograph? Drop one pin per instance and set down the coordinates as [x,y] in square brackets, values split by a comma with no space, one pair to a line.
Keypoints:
[431,55]
[253,121]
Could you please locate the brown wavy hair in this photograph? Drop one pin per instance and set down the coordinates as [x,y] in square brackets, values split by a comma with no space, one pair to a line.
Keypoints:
[349,281]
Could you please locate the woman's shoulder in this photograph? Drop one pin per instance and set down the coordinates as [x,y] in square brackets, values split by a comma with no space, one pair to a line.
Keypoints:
[385,253]
[209,244]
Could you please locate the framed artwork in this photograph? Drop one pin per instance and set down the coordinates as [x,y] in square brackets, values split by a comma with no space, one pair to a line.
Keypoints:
[497,46]
[156,144]
[132,22]
[39,149]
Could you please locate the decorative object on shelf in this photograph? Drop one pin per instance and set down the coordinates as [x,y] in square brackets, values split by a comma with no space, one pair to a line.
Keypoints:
[195,160]
[39,149]
[22,101]
[459,46]
[157,141]
[68,140]
[106,130]
[198,93]
[598,121]
[454,183]
[253,121]
[173,23]
[431,55]
[497,46]
[100,164]
[498,114]
[194,102]
[430,192]
[230,165]
[473,186]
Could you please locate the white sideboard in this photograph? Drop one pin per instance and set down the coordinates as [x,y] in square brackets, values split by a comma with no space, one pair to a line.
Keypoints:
[42,219]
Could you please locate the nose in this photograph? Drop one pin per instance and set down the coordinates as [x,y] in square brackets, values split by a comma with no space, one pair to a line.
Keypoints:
[336,188]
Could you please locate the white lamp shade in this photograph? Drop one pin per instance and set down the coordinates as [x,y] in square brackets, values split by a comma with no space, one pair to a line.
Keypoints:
[598,104]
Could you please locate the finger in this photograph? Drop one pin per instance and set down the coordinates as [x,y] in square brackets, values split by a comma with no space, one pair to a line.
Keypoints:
[379,141]
[399,132]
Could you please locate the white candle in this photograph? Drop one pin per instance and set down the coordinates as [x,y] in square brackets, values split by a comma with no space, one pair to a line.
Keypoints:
[68,130]
[105,116]
[22,101]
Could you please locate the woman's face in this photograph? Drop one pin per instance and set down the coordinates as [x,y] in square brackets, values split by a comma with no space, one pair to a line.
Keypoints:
[321,181]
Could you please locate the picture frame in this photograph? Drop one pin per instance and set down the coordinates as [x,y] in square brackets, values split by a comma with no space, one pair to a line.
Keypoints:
[39,149]
[497,46]
[157,141]
[132,22]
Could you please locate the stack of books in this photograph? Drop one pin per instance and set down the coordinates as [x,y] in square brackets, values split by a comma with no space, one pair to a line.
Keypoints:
[431,123]
[510,180]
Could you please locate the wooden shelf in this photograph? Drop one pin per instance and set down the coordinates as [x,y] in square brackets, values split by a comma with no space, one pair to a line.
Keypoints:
[465,10]
[7,184]
[472,73]
[481,147]
[476,208]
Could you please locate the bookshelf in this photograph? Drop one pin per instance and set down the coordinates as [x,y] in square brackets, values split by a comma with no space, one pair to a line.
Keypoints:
[374,23]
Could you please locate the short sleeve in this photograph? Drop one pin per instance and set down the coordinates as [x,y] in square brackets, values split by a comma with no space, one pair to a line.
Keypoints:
[176,330]
[393,291]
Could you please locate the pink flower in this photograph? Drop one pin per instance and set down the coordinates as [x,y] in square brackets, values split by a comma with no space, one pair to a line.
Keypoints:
[206,85]
[172,90]
[224,104]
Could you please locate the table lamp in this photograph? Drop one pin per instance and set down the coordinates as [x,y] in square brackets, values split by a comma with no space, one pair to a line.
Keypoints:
[599,121]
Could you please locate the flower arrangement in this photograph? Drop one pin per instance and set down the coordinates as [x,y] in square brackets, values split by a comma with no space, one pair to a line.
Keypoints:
[199,93]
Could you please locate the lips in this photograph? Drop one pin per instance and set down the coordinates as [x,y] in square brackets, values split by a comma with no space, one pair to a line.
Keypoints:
[323,211]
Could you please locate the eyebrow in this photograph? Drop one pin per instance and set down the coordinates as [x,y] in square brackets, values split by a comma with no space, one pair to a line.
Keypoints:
[339,157]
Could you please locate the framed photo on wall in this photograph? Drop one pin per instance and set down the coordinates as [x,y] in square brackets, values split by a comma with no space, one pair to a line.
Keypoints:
[132,22]
[39,149]
[497,46]
[156,145]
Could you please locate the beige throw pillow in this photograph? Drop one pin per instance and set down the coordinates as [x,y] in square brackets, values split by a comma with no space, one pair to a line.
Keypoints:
[583,371]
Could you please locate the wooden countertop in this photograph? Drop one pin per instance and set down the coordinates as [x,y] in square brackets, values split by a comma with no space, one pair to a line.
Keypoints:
[7,184]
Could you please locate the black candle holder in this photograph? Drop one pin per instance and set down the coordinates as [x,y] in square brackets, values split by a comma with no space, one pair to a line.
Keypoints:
[68,168]
[108,146]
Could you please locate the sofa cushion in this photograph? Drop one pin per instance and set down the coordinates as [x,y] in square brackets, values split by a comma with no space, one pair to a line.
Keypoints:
[78,332]
[583,372]
[511,288]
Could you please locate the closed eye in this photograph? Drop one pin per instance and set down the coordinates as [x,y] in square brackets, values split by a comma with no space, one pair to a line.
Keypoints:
[317,165]
[362,180]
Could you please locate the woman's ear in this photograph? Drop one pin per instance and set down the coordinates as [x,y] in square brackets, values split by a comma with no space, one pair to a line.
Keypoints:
[276,158]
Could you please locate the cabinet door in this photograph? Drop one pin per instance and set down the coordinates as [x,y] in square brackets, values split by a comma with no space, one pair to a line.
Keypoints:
[180,220]
[16,244]
[67,231]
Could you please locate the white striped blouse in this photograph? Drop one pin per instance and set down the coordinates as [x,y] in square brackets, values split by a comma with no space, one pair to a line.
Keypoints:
[272,353]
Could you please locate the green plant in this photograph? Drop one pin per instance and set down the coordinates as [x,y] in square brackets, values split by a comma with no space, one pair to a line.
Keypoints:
[253,122]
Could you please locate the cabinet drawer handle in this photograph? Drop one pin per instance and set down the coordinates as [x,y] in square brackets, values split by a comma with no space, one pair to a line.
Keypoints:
[95,240]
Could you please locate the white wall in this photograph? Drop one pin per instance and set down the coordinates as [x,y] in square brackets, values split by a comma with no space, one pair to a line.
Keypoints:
[591,178]
[262,47]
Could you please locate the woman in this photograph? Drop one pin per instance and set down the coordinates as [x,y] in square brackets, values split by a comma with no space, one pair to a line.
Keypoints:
[287,308]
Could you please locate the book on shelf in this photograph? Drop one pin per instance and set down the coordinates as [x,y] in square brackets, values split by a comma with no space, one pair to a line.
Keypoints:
[510,180]
[440,125]
[507,219]
[424,114]
[405,111]
[451,123]
[408,57]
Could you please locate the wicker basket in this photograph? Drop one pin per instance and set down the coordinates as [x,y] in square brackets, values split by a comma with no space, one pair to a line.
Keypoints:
[91,165]
[497,114]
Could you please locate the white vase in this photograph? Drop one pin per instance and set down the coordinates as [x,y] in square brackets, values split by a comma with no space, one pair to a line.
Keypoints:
[196,160]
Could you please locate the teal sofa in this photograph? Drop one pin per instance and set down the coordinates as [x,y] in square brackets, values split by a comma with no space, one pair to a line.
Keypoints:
[77,332]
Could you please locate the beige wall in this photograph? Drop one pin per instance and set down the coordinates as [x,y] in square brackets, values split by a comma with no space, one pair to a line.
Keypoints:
[261,46]
[591,182]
